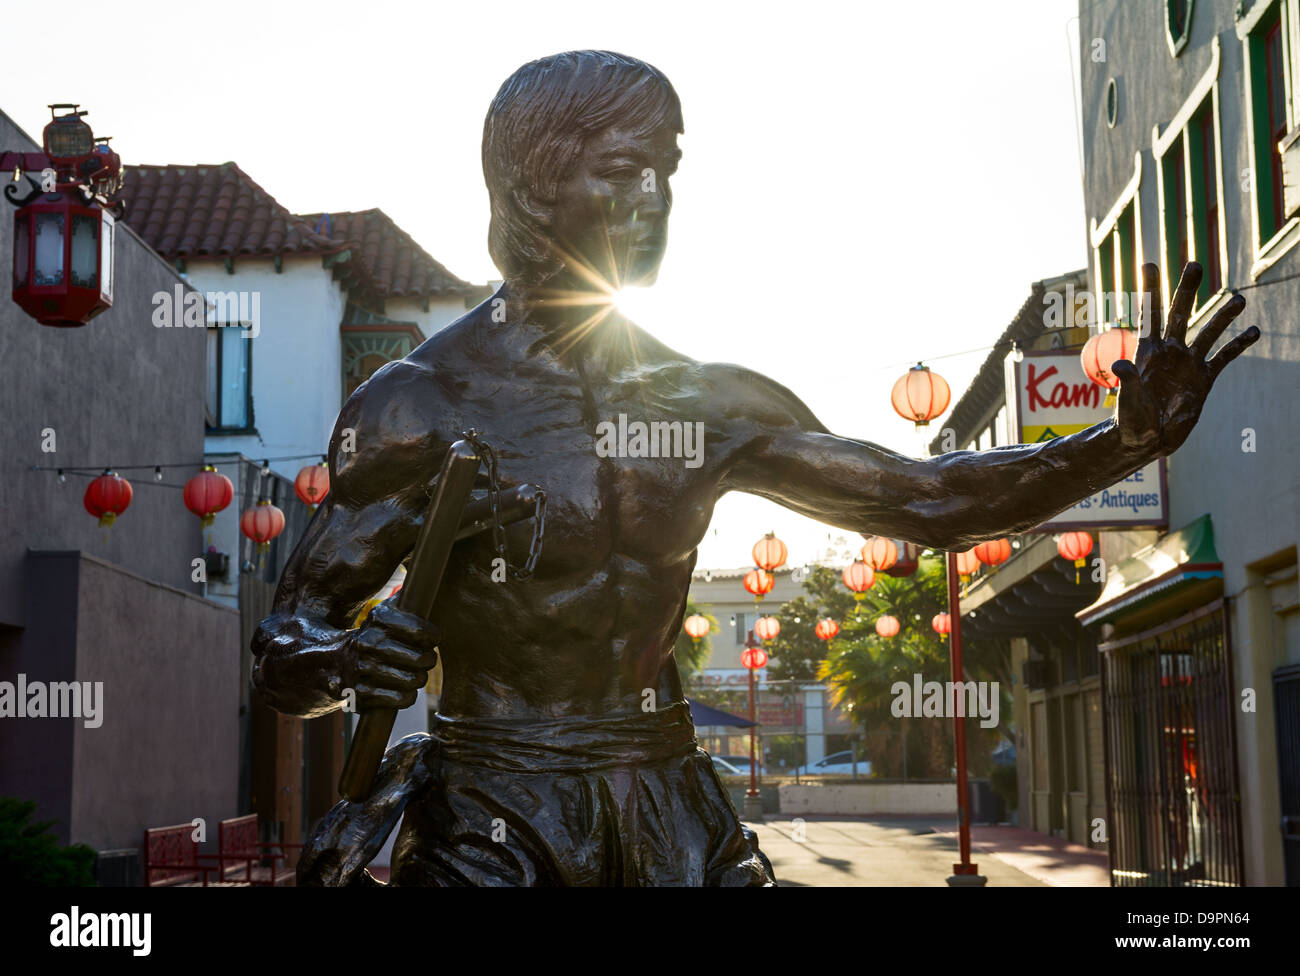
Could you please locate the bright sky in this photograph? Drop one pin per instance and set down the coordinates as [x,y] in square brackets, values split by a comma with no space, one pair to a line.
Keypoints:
[863,185]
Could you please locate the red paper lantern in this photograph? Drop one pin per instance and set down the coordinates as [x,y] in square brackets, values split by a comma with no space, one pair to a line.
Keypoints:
[765,628]
[759,583]
[1102,351]
[967,563]
[826,628]
[859,577]
[107,497]
[208,493]
[920,395]
[993,553]
[887,626]
[753,658]
[941,623]
[262,523]
[312,484]
[880,553]
[770,552]
[1075,546]
[696,626]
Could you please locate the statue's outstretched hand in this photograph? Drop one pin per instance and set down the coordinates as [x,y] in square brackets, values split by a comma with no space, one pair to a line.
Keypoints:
[1163,391]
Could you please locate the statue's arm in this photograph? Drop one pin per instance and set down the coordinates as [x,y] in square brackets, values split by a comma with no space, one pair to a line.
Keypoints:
[779,450]
[304,653]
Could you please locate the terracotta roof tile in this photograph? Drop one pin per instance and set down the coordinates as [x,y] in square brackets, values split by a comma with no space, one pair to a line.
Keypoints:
[214,211]
[389,261]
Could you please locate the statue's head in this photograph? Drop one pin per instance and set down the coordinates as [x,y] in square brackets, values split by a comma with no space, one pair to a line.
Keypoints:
[578,149]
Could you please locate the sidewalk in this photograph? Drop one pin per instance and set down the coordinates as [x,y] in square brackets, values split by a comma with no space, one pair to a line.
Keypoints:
[919,851]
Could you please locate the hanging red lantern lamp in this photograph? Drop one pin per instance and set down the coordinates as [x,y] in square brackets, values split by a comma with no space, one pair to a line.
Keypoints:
[826,628]
[887,626]
[765,628]
[1102,351]
[208,493]
[993,553]
[753,658]
[941,623]
[262,523]
[107,497]
[880,553]
[312,484]
[696,626]
[1075,546]
[920,395]
[759,583]
[967,563]
[859,577]
[65,225]
[770,552]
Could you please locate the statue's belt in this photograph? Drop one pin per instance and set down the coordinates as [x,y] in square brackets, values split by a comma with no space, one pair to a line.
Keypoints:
[577,744]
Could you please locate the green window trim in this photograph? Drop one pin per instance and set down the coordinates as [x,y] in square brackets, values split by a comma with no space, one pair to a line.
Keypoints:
[1117,251]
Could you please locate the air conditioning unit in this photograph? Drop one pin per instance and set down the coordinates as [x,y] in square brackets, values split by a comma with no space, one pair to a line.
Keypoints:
[1037,674]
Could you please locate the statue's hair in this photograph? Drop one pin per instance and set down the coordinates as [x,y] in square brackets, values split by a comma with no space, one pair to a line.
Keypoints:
[537,126]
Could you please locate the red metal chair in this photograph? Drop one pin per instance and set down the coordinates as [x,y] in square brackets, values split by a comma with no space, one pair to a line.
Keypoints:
[172,859]
[246,860]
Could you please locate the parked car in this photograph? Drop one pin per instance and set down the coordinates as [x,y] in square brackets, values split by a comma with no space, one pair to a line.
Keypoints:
[836,764]
[725,768]
[742,763]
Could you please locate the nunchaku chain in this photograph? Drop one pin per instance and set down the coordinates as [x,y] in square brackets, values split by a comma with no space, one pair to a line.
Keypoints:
[489,455]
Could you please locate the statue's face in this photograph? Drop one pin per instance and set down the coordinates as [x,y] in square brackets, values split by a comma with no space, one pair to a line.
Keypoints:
[611,215]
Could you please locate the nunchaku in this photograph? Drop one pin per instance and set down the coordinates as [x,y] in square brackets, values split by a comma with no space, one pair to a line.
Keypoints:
[451,516]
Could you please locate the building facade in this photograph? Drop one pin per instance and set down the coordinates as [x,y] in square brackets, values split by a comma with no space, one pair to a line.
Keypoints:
[1189,124]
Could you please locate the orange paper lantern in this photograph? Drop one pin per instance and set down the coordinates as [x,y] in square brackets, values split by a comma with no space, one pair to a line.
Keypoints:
[262,523]
[920,395]
[993,553]
[967,563]
[826,628]
[887,626]
[941,623]
[696,626]
[765,628]
[880,553]
[759,583]
[312,484]
[208,493]
[107,497]
[753,658]
[859,577]
[770,552]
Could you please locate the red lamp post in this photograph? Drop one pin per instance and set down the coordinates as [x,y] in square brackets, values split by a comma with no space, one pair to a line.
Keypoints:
[753,657]
[64,226]
[964,874]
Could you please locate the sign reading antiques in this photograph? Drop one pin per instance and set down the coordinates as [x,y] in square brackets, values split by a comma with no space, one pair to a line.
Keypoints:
[1052,396]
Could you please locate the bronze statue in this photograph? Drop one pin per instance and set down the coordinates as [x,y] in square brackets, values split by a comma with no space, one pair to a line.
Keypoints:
[545,766]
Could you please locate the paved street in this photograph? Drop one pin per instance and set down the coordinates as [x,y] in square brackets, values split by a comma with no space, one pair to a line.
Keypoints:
[919,851]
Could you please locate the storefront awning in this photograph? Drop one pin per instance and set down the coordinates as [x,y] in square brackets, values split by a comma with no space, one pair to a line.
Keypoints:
[1178,560]
[702,714]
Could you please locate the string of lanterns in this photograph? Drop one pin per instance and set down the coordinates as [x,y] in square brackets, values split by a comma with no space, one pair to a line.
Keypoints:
[205,495]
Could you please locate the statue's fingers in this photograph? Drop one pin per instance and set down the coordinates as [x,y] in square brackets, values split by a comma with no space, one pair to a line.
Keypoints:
[1210,333]
[1180,308]
[1134,401]
[1232,350]
[1151,313]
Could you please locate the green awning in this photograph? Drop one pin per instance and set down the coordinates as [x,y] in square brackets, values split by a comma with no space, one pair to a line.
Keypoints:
[1178,560]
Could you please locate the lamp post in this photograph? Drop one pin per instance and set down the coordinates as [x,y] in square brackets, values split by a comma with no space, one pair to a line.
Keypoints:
[964,874]
[65,223]
[753,657]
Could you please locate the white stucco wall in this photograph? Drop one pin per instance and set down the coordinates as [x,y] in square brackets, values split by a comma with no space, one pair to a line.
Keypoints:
[296,356]
[869,798]
[442,312]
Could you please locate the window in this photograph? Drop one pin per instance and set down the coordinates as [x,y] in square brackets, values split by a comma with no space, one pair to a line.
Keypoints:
[742,633]
[1265,31]
[1178,24]
[1191,190]
[230,369]
[1117,254]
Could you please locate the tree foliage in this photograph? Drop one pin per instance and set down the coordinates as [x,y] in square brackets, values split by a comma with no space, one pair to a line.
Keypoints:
[31,856]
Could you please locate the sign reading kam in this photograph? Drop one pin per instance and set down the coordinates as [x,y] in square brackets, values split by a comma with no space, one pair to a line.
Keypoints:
[1051,396]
